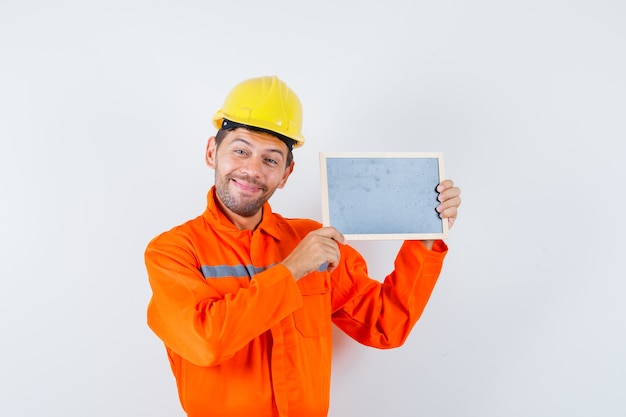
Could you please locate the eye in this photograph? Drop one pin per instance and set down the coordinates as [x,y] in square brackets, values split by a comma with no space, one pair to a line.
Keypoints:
[240,152]
[271,161]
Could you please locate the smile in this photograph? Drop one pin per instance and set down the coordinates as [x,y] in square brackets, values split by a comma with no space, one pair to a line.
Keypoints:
[246,186]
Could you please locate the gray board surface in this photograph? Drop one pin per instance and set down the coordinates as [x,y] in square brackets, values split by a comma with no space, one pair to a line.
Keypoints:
[369,196]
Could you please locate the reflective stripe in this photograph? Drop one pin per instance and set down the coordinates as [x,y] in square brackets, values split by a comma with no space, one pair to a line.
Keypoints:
[231,271]
[240,271]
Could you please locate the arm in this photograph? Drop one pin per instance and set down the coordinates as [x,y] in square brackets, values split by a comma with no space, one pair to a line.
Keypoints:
[383,314]
[197,320]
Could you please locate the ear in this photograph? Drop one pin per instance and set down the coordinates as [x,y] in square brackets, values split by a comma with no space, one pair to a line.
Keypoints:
[211,150]
[286,175]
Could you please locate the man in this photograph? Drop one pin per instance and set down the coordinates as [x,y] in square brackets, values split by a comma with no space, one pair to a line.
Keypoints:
[243,299]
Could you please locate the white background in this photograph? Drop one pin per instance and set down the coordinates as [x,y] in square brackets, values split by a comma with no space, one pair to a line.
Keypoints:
[105,110]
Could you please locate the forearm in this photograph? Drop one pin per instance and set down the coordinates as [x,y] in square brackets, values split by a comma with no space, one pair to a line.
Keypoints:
[428,244]
[382,315]
[207,325]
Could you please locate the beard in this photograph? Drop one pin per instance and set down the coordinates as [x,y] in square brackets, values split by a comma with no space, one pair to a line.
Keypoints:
[239,204]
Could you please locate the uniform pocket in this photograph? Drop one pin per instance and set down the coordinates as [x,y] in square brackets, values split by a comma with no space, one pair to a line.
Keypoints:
[314,318]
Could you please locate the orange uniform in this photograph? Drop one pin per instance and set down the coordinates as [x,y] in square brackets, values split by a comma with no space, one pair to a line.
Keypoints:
[244,338]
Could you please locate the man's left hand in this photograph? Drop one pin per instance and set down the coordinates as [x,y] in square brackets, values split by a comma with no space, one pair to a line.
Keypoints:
[450,200]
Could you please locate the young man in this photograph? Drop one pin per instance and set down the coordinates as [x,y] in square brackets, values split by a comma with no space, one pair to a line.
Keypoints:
[244,299]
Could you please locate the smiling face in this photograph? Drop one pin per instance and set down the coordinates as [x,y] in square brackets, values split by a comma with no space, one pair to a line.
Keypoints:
[249,166]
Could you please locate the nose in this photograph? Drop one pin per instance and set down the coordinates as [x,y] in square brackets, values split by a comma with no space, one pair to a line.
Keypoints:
[252,166]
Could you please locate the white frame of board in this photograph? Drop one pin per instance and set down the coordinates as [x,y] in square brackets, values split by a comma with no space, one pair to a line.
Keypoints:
[383,235]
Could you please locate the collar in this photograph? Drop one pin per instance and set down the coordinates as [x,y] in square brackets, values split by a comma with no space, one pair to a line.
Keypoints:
[217,219]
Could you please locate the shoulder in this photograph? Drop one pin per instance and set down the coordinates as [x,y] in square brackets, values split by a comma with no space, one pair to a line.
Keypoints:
[180,234]
[299,225]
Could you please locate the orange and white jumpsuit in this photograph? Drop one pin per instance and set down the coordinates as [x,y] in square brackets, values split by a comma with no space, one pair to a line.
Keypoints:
[244,338]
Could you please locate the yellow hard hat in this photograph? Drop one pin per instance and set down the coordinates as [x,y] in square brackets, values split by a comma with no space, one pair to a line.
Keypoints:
[266,103]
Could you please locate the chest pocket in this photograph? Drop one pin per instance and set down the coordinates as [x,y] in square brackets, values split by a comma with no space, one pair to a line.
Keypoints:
[314,318]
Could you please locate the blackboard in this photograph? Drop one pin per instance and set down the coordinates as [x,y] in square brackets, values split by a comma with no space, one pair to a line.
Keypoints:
[392,195]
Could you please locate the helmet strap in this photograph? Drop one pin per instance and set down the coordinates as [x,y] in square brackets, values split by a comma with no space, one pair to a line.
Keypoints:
[230,125]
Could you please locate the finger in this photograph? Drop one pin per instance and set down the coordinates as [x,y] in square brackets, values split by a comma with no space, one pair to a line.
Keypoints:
[453,202]
[332,265]
[449,194]
[448,212]
[332,233]
[444,185]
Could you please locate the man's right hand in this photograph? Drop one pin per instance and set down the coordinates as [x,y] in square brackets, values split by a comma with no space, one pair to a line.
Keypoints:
[318,247]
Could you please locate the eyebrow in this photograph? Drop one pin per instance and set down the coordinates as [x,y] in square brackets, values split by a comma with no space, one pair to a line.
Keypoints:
[247,142]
